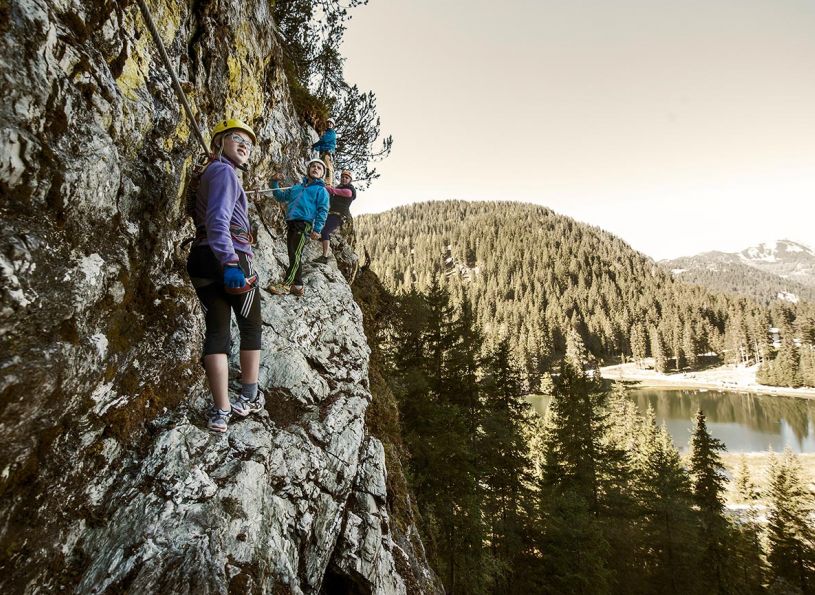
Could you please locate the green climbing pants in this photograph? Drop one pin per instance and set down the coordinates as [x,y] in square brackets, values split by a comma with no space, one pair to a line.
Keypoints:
[298,232]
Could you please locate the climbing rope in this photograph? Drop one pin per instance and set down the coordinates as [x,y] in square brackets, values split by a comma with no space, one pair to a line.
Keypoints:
[148,18]
[268,190]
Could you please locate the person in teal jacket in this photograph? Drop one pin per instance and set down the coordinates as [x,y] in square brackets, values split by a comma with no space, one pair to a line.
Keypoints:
[307,209]
[325,148]
[328,140]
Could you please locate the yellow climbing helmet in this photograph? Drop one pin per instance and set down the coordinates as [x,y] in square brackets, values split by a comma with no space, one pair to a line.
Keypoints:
[233,124]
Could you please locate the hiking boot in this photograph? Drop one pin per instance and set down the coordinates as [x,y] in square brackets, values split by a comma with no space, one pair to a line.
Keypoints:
[244,406]
[218,419]
[321,259]
[297,290]
[278,289]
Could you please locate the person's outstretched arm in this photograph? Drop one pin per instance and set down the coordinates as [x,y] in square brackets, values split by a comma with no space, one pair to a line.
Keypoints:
[280,195]
[342,192]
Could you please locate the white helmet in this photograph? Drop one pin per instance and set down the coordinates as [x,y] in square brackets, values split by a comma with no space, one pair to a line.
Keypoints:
[331,122]
[320,161]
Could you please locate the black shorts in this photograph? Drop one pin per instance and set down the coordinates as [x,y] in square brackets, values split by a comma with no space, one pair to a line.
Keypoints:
[207,276]
[331,223]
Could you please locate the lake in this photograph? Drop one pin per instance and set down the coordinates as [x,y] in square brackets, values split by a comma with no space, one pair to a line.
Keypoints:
[744,422]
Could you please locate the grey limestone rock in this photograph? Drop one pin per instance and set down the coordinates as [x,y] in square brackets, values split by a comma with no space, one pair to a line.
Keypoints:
[110,482]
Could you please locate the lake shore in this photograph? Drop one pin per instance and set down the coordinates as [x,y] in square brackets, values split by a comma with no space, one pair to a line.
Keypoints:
[729,377]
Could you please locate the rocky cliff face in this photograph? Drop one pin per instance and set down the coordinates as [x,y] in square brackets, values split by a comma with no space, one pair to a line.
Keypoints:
[109,480]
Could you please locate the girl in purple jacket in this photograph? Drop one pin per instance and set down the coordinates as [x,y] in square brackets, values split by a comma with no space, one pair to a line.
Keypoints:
[220,267]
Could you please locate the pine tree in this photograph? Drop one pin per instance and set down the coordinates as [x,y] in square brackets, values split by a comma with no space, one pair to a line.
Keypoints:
[311,32]
[624,419]
[766,373]
[576,353]
[585,489]
[807,367]
[706,468]
[670,552]
[676,342]
[748,570]
[572,440]
[437,336]
[505,466]
[806,328]
[746,489]
[621,511]
[574,549]
[790,535]
[759,337]
[409,377]
[709,482]
[737,335]
[689,345]
[463,366]
[639,345]
[443,469]
[658,351]
[787,364]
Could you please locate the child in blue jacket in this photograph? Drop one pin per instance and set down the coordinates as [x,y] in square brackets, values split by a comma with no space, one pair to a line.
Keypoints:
[325,148]
[307,210]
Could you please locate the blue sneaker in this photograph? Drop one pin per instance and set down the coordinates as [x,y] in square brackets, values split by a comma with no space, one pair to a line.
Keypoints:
[218,419]
[243,406]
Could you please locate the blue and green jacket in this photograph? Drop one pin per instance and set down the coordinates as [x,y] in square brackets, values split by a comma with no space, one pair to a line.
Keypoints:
[327,142]
[308,201]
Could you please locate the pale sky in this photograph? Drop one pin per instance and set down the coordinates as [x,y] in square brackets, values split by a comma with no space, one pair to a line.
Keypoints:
[679,126]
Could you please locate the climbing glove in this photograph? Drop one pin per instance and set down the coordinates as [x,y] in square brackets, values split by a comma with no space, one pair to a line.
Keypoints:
[233,277]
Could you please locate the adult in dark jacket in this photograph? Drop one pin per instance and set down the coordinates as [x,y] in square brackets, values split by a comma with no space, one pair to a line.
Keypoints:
[306,212]
[340,211]
[325,147]
[219,264]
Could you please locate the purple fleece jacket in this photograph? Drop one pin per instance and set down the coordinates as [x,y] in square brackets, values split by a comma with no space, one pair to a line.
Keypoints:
[222,204]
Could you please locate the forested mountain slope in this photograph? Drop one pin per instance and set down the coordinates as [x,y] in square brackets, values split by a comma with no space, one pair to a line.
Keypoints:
[532,275]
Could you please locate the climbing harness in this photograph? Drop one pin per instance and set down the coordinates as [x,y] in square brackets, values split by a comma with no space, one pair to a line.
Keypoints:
[251,283]
[237,233]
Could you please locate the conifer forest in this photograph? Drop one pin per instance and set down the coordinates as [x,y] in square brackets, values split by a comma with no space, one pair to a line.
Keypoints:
[532,276]
[482,304]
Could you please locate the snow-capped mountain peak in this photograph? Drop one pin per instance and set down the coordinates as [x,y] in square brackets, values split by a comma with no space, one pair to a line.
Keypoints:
[781,269]
[780,251]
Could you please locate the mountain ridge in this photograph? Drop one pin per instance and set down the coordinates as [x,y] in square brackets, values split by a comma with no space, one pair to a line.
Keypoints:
[779,270]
